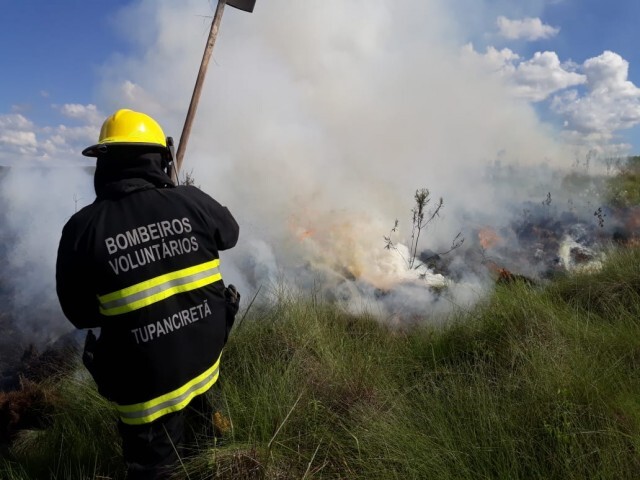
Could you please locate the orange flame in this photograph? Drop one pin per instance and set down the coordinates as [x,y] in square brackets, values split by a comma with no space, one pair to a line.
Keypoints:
[633,220]
[488,238]
[306,234]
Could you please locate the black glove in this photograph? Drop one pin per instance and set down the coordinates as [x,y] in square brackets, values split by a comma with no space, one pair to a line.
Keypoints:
[90,343]
[232,296]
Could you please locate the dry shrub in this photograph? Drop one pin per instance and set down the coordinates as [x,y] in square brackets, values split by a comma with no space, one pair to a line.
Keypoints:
[28,407]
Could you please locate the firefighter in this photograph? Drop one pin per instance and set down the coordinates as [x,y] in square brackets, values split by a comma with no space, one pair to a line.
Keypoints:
[141,263]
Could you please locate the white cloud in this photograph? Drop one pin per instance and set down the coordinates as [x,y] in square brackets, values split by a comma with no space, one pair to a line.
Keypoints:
[493,60]
[54,144]
[527,28]
[15,121]
[541,76]
[17,136]
[21,140]
[534,79]
[609,72]
[87,113]
[611,102]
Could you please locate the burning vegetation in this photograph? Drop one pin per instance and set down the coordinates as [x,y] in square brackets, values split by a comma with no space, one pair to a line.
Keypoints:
[26,396]
[542,241]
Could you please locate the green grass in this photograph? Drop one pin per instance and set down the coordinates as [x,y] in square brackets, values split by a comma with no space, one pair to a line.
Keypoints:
[623,189]
[535,383]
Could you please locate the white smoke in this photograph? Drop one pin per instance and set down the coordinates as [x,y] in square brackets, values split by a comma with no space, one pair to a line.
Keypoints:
[318,122]
[40,200]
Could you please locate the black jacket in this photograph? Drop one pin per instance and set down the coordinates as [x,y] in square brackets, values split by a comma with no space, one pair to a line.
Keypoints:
[141,263]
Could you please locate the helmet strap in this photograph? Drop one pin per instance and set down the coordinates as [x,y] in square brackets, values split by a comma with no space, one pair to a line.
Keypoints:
[171,164]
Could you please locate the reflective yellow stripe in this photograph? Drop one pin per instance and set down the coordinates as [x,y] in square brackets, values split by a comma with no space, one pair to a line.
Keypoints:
[158,288]
[174,401]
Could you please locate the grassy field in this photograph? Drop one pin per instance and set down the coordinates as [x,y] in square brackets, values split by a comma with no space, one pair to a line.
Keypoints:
[623,189]
[535,383]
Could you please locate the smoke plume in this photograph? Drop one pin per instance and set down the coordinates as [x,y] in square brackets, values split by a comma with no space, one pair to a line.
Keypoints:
[39,201]
[318,122]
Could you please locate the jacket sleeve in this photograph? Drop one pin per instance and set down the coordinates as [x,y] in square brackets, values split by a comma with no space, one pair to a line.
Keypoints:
[225,228]
[73,282]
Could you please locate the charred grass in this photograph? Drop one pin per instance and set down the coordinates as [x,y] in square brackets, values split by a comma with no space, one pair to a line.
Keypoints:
[538,382]
[62,429]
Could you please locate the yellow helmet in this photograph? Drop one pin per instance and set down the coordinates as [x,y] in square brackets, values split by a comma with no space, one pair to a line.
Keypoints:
[130,128]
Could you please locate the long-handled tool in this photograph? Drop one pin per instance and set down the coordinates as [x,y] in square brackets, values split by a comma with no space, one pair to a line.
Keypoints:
[247,6]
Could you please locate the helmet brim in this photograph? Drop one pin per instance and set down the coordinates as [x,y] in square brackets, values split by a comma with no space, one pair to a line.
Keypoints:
[93,150]
[102,148]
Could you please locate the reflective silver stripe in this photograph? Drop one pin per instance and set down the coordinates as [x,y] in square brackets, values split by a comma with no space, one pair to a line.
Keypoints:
[120,302]
[159,288]
[171,403]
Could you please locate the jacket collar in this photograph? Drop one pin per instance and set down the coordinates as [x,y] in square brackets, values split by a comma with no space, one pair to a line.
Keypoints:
[121,172]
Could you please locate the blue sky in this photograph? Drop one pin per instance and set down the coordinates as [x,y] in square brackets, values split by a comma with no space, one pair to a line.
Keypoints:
[51,50]
[55,54]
